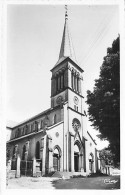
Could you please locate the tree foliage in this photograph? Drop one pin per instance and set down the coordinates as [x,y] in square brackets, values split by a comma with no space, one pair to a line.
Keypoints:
[104,101]
[7,153]
[107,156]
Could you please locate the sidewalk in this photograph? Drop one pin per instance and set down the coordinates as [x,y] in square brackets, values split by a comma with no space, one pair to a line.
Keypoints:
[31,183]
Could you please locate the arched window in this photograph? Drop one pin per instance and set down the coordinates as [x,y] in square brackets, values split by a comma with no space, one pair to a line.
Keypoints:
[37,150]
[77,84]
[23,154]
[26,129]
[55,119]
[18,132]
[62,81]
[41,124]
[14,152]
[31,127]
[36,126]
[72,80]
[58,82]
[23,132]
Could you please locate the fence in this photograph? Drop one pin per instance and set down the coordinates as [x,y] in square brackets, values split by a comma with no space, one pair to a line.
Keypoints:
[14,164]
[26,168]
[39,164]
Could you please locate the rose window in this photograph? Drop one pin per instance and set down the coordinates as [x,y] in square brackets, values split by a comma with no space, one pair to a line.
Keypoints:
[76,124]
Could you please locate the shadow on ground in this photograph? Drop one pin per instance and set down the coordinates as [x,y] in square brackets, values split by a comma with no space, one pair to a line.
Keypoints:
[99,182]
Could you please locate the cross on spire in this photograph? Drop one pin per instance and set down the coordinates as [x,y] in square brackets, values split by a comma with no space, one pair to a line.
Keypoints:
[66,49]
[66,14]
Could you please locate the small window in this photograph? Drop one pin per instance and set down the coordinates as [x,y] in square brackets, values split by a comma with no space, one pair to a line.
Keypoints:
[42,143]
[18,132]
[31,127]
[55,119]
[37,150]
[76,108]
[41,124]
[78,84]
[38,125]
[23,132]
[62,81]
[26,129]
[59,83]
[72,80]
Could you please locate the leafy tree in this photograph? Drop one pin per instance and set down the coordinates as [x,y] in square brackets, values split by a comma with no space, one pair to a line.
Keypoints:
[104,101]
[7,153]
[107,156]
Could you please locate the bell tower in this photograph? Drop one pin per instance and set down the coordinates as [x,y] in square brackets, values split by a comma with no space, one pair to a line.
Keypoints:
[66,74]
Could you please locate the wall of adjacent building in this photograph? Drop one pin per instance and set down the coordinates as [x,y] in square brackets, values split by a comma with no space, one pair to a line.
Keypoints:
[8,133]
[90,148]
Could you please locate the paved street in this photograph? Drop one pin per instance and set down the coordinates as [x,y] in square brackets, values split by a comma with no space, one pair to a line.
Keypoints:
[107,182]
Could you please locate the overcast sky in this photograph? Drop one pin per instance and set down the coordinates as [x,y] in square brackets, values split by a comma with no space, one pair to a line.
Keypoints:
[34,34]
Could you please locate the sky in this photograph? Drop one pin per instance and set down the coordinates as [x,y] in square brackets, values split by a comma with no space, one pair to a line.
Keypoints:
[34,34]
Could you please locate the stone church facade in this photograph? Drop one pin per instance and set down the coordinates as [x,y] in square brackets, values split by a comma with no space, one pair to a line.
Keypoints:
[58,137]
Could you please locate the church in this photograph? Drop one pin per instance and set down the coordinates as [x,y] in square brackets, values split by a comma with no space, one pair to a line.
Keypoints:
[57,138]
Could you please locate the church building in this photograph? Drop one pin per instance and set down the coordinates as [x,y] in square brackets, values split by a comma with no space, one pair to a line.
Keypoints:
[58,137]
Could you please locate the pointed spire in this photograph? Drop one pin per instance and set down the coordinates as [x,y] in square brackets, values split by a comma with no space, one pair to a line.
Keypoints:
[66,49]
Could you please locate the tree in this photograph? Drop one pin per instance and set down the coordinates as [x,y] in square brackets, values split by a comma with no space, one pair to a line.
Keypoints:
[107,156]
[104,101]
[7,153]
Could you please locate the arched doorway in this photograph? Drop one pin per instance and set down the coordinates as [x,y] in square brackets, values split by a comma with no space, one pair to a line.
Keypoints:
[56,158]
[76,158]
[91,160]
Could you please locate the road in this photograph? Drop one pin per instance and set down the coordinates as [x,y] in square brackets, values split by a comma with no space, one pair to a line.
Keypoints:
[107,182]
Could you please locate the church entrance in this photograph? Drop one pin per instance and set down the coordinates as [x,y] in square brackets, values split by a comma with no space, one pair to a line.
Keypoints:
[56,160]
[76,162]
[76,158]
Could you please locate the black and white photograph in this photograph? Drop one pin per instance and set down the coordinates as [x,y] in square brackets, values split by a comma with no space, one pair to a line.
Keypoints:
[62,95]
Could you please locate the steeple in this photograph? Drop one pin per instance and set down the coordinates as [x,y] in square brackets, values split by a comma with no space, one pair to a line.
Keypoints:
[66,49]
[66,74]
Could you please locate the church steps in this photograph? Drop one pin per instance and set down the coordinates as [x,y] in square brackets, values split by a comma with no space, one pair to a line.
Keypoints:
[68,175]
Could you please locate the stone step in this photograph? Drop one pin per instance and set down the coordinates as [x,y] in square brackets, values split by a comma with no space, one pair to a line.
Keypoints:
[67,175]
[57,174]
[63,175]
